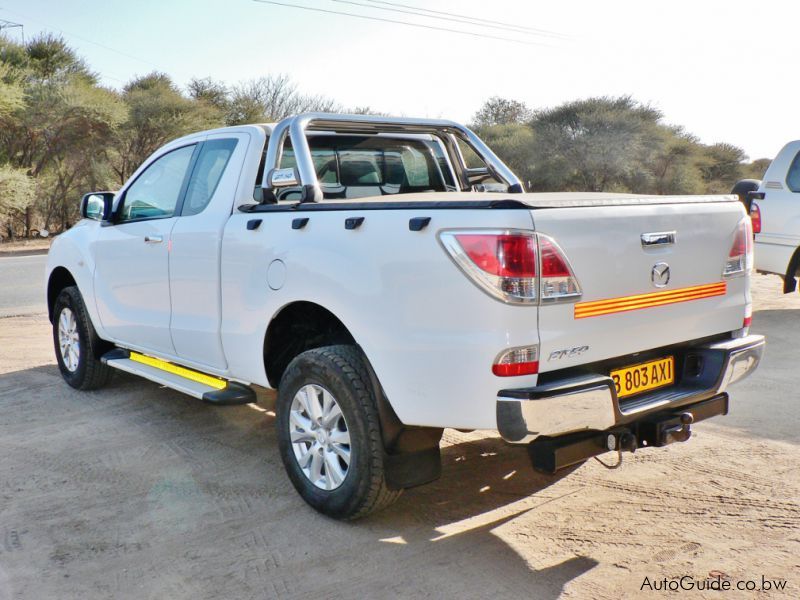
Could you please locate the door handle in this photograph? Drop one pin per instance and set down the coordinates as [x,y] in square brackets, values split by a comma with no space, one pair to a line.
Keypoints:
[153,239]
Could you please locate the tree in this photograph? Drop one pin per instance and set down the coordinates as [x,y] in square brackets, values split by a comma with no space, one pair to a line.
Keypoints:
[213,93]
[598,144]
[272,98]
[501,111]
[514,144]
[756,169]
[17,192]
[49,57]
[365,110]
[157,112]
[63,112]
[722,166]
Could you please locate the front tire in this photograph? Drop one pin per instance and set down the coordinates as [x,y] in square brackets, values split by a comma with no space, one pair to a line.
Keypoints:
[329,434]
[77,346]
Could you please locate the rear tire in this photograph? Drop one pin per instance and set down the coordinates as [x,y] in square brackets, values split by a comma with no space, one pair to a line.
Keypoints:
[77,346]
[326,397]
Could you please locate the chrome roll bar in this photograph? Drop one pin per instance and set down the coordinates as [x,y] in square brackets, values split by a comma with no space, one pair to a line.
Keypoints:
[448,132]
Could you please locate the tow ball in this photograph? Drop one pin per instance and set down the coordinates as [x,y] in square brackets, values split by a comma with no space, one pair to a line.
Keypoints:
[679,432]
[549,454]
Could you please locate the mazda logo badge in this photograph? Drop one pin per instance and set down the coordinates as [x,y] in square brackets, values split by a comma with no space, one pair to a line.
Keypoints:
[659,274]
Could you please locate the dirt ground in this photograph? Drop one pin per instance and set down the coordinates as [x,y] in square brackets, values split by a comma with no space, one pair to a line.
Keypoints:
[139,492]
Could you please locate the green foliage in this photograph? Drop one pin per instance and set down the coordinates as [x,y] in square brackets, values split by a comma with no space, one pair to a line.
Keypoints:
[212,93]
[49,57]
[610,144]
[156,113]
[62,134]
[756,169]
[12,95]
[501,111]
[17,191]
[513,143]
[596,145]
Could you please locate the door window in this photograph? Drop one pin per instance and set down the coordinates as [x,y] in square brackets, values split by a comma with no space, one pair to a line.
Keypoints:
[155,193]
[211,163]
[793,176]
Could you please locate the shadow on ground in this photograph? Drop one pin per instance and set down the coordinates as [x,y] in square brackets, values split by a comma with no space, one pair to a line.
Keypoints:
[138,491]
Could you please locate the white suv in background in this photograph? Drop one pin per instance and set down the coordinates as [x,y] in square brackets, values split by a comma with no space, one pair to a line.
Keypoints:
[775,211]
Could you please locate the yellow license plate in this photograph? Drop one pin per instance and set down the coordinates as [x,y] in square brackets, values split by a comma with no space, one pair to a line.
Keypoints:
[643,377]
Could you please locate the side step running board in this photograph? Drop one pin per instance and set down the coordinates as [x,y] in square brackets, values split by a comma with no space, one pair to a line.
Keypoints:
[208,388]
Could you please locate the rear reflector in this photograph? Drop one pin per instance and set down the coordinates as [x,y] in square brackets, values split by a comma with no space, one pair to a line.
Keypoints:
[517,361]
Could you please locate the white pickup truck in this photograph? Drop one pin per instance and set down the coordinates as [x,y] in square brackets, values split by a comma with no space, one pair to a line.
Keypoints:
[775,210]
[359,266]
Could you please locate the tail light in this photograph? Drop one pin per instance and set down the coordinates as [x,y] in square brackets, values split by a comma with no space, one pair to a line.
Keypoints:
[748,316]
[517,361]
[740,257]
[558,281]
[518,267]
[755,217]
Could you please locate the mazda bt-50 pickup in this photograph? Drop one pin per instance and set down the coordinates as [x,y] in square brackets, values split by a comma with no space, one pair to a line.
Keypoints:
[390,278]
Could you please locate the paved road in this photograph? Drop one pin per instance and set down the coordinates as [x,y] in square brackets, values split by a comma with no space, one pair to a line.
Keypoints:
[22,285]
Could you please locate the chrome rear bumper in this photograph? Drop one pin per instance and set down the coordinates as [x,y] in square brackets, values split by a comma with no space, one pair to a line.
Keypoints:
[590,402]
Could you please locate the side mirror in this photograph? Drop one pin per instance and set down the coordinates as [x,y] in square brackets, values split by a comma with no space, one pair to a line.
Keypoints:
[97,206]
[744,188]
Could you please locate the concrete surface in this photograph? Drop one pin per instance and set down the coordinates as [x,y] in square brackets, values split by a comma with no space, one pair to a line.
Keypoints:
[139,492]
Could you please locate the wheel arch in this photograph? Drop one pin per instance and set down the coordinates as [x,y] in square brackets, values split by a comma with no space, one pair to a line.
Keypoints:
[299,326]
[789,281]
[59,278]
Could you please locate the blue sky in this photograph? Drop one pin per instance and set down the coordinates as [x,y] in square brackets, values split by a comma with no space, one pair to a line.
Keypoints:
[722,69]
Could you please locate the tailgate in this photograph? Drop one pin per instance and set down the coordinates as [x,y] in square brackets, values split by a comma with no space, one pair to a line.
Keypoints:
[638,296]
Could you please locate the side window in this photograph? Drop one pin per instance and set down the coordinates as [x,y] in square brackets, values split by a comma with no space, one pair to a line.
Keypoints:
[416,167]
[324,162]
[793,176]
[155,193]
[208,170]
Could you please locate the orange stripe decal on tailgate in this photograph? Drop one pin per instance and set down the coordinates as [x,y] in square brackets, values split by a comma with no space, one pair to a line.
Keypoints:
[597,308]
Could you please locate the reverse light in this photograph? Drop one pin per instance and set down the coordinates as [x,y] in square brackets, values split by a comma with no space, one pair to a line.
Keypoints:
[518,267]
[755,217]
[517,361]
[740,257]
[557,280]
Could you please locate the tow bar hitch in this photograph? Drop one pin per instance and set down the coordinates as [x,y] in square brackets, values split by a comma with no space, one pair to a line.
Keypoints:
[661,433]
[549,454]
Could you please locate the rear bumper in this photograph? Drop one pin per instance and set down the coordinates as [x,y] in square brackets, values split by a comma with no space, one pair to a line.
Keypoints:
[590,402]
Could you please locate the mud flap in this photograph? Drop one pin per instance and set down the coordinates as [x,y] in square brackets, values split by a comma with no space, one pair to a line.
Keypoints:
[410,469]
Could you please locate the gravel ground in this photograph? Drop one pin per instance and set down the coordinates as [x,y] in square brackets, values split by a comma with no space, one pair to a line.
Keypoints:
[140,492]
